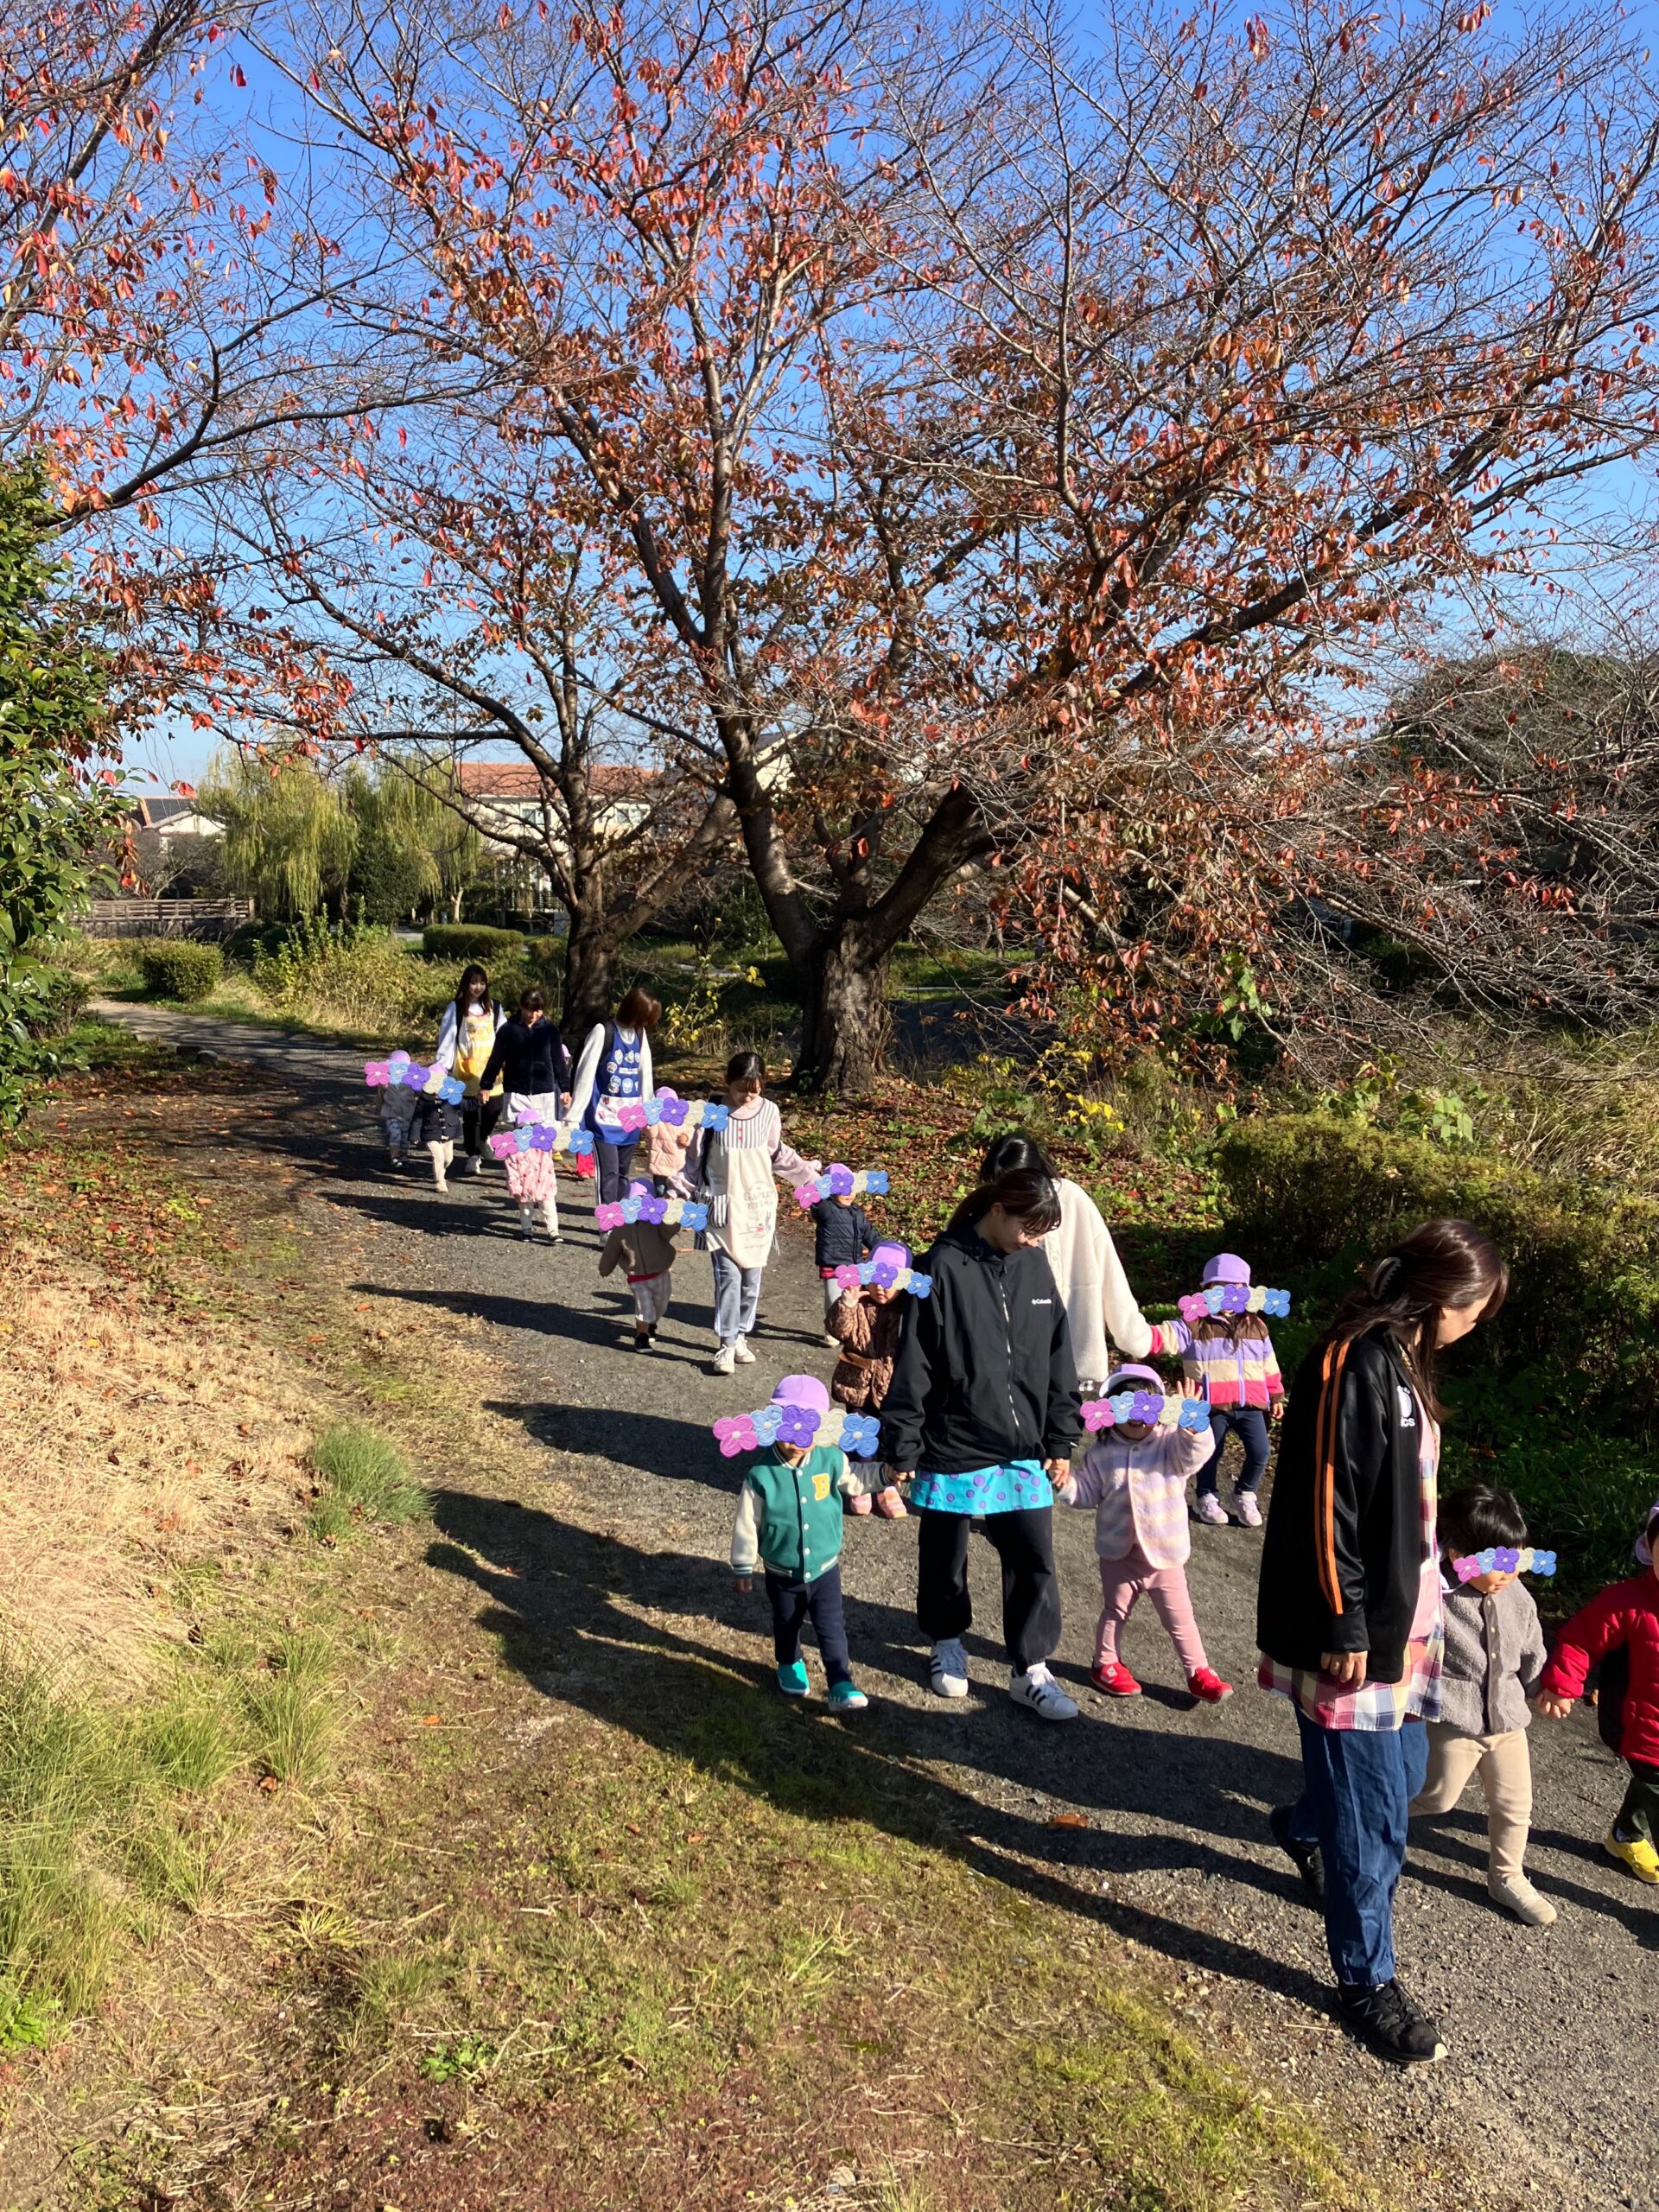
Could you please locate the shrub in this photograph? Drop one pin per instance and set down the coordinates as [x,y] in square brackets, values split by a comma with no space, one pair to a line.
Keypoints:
[180,968]
[52,999]
[344,976]
[1558,1393]
[366,1473]
[470,941]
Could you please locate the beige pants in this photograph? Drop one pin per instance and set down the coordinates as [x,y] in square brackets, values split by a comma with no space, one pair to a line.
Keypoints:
[1505,1771]
[443,1154]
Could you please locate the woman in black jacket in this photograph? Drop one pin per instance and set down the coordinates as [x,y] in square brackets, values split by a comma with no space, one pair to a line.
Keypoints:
[1348,1614]
[983,1401]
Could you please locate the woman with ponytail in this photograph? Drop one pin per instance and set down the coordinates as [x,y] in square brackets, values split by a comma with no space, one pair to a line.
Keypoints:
[1349,1610]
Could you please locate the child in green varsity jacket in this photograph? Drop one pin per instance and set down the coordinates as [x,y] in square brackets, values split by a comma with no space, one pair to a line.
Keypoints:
[789,1514]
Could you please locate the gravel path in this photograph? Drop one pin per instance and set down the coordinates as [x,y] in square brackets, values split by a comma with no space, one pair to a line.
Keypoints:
[1547,2098]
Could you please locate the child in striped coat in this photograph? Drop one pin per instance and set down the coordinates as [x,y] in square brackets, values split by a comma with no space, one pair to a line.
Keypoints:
[1229,1359]
[1135,1476]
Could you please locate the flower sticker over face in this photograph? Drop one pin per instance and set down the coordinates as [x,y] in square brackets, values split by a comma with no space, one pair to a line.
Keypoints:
[839,1182]
[1504,1559]
[399,1072]
[1231,1298]
[803,1426]
[885,1276]
[1146,1405]
[670,1213]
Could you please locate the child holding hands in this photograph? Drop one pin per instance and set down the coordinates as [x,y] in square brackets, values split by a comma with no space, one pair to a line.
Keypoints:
[1135,1476]
[866,1324]
[1228,1360]
[789,1516]
[645,1251]
[1621,1626]
[1493,1658]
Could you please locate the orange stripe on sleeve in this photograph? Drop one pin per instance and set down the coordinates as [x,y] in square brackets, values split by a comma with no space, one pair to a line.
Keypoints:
[1324,1473]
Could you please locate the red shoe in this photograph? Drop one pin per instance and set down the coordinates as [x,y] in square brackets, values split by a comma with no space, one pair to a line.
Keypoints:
[1207,1687]
[1116,1680]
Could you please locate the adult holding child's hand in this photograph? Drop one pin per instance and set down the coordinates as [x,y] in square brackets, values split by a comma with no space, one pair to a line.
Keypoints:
[1349,1616]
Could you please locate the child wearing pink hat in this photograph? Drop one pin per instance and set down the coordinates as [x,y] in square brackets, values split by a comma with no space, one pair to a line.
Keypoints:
[1229,1359]
[866,1325]
[1134,1476]
[788,1519]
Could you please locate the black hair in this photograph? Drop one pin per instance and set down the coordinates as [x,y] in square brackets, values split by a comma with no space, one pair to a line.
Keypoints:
[462,991]
[1479,1517]
[1440,1264]
[745,1067]
[1013,1149]
[1020,1192]
[532,999]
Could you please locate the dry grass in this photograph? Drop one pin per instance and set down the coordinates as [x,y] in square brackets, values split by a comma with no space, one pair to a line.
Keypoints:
[141,1443]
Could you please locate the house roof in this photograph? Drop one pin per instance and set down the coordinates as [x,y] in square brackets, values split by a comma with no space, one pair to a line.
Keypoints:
[520,780]
[152,812]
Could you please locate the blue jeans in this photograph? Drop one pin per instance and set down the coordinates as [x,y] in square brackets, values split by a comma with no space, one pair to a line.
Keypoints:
[1249,1425]
[737,1298]
[1357,1785]
[792,1602]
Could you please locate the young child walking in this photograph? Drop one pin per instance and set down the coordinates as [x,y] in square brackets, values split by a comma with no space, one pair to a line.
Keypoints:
[1134,1476]
[1494,1654]
[789,1516]
[645,1251]
[436,1130]
[865,1325]
[734,1170]
[843,1235]
[1620,1628]
[1228,1360]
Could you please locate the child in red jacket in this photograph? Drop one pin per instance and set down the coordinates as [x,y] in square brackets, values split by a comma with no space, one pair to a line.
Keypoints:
[1621,1629]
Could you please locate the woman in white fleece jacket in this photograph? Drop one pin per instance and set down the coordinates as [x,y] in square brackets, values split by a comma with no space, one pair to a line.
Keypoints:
[1083,1258]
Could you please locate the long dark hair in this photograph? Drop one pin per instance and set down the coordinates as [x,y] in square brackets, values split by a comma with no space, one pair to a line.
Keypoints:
[1021,1192]
[1012,1150]
[462,998]
[1439,1263]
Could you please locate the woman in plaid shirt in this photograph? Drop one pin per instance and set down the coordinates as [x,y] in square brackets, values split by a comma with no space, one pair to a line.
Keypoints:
[1348,1616]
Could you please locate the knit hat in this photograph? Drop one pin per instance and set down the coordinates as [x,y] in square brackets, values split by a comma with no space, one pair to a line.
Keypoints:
[890,1253]
[1131,1378]
[1226,1267]
[639,1188]
[802,1390]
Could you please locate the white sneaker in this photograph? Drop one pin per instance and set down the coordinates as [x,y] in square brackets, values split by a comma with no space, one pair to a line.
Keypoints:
[741,1353]
[474,1165]
[725,1359]
[1208,1507]
[1516,1895]
[1039,1692]
[947,1669]
[1248,1510]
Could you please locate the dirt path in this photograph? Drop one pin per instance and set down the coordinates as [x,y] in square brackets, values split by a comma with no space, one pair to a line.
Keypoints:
[1544,2099]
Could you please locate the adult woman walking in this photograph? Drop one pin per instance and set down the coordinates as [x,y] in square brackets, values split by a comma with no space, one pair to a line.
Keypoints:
[735,1171]
[1349,1610]
[983,1401]
[614,1068]
[1083,1261]
[465,1038]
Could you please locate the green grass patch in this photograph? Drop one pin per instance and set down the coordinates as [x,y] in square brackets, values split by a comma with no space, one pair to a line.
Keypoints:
[368,1478]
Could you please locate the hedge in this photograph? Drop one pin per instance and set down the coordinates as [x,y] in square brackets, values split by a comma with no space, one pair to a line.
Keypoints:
[470,941]
[1557,1396]
[180,968]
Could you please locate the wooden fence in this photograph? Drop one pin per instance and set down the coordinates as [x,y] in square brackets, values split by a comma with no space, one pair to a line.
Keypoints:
[167,917]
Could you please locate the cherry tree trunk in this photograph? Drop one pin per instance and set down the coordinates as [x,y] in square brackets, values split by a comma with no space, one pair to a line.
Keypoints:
[845,1024]
[589,978]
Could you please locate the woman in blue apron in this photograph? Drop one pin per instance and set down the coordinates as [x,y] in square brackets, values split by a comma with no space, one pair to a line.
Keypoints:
[614,1071]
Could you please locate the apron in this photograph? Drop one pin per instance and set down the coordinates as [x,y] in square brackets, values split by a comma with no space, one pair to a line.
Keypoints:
[474,1041]
[617,1078]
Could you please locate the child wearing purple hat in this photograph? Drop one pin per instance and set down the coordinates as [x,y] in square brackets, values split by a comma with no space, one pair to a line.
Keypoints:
[1229,1359]
[866,1324]
[1135,1476]
[788,1519]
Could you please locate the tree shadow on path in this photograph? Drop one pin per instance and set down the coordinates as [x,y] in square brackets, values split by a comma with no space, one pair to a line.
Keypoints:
[569,1607]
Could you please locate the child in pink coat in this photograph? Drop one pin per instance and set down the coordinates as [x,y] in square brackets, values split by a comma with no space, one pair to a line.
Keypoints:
[1135,1476]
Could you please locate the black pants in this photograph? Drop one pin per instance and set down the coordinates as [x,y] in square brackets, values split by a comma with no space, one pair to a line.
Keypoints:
[792,1602]
[615,1162]
[1031,1592]
[477,1117]
[1638,1816]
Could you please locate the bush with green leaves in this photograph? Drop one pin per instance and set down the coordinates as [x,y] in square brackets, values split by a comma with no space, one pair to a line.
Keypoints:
[56,808]
[1558,1395]
[180,968]
[471,941]
[345,974]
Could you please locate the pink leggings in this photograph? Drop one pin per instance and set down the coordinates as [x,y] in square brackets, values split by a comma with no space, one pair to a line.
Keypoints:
[1124,1580]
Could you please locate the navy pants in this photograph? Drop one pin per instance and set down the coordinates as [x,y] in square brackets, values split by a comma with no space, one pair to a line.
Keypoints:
[1357,1786]
[1249,1425]
[793,1603]
[615,1162]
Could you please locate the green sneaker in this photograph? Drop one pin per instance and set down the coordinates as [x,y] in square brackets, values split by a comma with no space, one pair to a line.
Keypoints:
[846,1697]
[792,1680]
